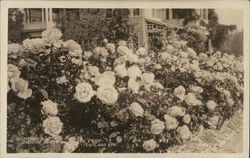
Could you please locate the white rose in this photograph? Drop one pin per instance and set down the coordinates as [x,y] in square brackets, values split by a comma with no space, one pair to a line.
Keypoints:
[166,56]
[84,92]
[157,66]
[121,70]
[133,85]
[176,111]
[147,78]
[106,78]
[107,94]
[22,63]
[142,51]
[183,54]
[191,99]
[13,71]
[123,50]
[111,47]
[149,145]
[93,70]
[49,108]
[20,86]
[184,132]
[87,54]
[186,119]
[179,92]
[136,109]
[70,146]
[157,126]
[52,35]
[52,126]
[134,72]
[61,80]
[122,43]
[34,44]
[213,121]
[103,51]
[14,48]
[196,89]
[76,61]
[170,122]
[74,48]
[211,105]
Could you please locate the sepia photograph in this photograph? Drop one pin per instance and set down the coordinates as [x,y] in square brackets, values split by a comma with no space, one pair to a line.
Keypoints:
[125,80]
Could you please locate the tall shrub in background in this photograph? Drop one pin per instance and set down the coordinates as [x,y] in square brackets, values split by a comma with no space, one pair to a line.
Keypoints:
[95,25]
[233,44]
[15,25]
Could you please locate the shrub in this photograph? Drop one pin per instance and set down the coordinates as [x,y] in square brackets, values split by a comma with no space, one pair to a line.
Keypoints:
[114,99]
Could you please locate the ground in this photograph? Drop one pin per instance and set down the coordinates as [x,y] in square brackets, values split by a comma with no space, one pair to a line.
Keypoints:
[229,139]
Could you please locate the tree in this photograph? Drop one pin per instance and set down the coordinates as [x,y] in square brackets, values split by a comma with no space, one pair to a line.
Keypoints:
[15,25]
[218,32]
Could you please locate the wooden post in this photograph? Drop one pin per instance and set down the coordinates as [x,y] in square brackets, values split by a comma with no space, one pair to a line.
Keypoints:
[170,14]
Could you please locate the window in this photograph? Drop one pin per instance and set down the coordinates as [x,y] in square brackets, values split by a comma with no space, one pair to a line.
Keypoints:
[167,14]
[158,13]
[136,12]
[55,14]
[35,15]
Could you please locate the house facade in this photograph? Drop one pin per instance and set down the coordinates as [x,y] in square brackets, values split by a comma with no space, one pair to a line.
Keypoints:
[146,21]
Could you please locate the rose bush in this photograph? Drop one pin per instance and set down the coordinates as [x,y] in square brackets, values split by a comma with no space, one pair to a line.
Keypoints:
[125,100]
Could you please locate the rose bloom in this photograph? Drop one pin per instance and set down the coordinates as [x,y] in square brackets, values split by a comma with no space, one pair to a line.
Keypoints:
[122,43]
[166,56]
[149,145]
[213,121]
[21,86]
[133,85]
[14,48]
[203,57]
[76,61]
[87,54]
[196,89]
[111,47]
[191,99]
[194,67]
[106,78]
[176,111]
[23,63]
[123,50]
[131,57]
[61,80]
[34,44]
[51,34]
[49,108]
[93,70]
[184,132]
[52,126]
[157,126]
[230,102]
[136,109]
[179,92]
[121,70]
[157,66]
[142,51]
[171,122]
[147,78]
[103,51]
[183,54]
[74,48]
[13,71]
[107,94]
[191,53]
[186,119]
[211,105]
[84,92]
[70,146]
[134,72]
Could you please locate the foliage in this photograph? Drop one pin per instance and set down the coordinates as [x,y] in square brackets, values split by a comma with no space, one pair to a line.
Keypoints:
[91,33]
[233,44]
[114,99]
[15,25]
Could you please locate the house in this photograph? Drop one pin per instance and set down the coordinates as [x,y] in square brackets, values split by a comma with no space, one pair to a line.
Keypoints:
[146,21]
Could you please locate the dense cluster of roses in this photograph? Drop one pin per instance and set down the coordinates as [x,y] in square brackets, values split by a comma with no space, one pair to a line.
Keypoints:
[135,84]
